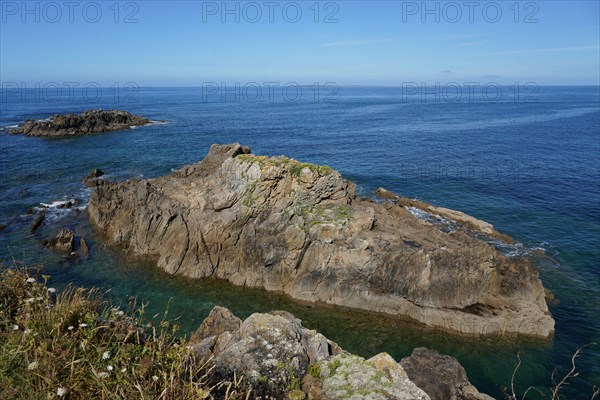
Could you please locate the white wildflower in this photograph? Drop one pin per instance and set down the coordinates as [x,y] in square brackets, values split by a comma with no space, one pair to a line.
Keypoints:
[51,290]
[30,280]
[102,375]
[60,392]
[33,365]
[155,378]
[106,355]
[110,368]
[15,327]
[70,327]
[83,325]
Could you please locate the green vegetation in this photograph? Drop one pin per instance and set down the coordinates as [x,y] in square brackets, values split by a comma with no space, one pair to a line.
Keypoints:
[292,382]
[314,370]
[74,345]
[333,366]
[249,199]
[320,214]
[294,167]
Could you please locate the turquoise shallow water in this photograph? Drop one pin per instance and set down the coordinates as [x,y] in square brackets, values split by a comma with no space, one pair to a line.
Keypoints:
[531,169]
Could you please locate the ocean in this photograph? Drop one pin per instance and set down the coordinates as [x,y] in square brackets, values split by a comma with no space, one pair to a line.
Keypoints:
[528,164]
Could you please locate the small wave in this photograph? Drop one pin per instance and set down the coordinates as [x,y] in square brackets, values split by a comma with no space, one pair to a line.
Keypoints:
[151,123]
[513,250]
[58,209]
[445,224]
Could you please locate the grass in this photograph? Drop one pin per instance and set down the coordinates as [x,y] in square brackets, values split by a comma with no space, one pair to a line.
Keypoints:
[74,345]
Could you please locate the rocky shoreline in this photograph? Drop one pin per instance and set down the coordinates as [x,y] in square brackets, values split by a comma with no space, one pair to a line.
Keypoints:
[278,356]
[88,122]
[299,229]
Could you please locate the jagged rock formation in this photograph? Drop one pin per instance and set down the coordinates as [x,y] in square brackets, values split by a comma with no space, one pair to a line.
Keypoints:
[63,241]
[91,121]
[298,228]
[281,358]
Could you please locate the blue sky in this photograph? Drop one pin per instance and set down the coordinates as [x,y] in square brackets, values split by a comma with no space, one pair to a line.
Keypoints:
[186,43]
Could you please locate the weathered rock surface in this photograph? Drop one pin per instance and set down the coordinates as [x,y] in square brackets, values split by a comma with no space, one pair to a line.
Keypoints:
[63,241]
[91,121]
[347,376]
[441,376]
[218,321]
[298,228]
[279,357]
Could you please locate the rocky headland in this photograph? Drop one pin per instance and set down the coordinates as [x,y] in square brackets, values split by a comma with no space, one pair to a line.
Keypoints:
[280,357]
[88,122]
[297,228]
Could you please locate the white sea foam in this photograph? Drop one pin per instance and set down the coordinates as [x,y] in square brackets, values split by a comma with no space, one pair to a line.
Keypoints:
[510,250]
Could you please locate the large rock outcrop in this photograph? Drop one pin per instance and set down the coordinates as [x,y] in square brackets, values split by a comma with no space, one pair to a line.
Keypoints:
[286,226]
[280,358]
[91,121]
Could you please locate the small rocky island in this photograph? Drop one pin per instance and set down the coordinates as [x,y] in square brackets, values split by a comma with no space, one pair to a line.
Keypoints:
[297,228]
[88,122]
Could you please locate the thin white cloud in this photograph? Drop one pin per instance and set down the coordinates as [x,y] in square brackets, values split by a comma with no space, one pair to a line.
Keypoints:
[469,44]
[458,37]
[356,42]
[547,50]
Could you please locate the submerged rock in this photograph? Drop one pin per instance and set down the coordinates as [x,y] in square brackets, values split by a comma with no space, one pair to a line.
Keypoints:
[38,222]
[68,204]
[442,377]
[63,241]
[91,121]
[92,178]
[83,246]
[298,228]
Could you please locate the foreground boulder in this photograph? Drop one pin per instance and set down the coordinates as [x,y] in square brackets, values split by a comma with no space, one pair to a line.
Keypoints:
[279,357]
[441,377]
[91,121]
[297,228]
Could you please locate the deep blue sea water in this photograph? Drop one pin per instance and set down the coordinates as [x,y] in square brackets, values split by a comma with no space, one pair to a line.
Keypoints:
[532,169]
